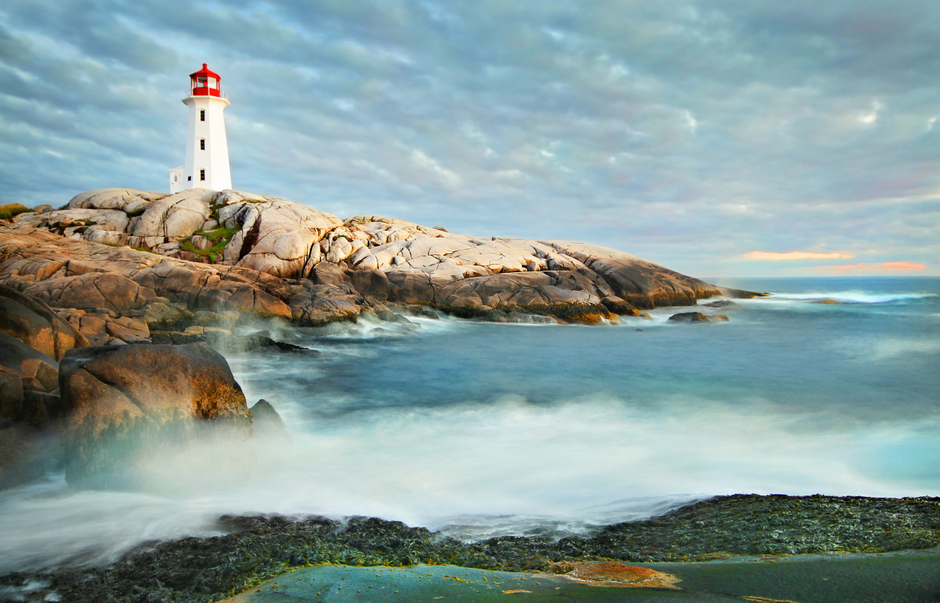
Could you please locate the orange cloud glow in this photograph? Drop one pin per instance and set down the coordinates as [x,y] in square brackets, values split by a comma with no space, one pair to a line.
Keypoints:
[789,256]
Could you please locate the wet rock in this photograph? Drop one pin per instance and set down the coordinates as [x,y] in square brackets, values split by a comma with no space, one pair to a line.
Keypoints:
[41,408]
[25,454]
[268,422]
[136,399]
[255,343]
[722,303]
[692,317]
[11,393]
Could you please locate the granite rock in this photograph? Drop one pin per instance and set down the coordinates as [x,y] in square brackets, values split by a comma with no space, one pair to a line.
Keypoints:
[129,400]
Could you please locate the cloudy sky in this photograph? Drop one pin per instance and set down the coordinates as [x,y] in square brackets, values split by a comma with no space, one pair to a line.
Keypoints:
[718,138]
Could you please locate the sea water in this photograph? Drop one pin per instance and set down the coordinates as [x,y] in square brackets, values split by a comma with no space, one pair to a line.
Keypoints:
[477,429]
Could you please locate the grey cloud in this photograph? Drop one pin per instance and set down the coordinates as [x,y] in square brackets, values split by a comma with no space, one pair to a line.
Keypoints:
[688,132]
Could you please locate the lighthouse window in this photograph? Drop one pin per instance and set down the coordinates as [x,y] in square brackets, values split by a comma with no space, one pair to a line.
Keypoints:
[202,174]
[202,144]
[202,115]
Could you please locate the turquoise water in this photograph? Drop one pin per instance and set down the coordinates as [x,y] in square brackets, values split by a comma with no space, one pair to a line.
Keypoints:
[827,386]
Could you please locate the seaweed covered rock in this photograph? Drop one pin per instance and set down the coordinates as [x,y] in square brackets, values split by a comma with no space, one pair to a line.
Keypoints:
[133,400]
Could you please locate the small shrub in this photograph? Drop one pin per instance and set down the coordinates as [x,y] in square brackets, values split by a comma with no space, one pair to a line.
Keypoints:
[13,209]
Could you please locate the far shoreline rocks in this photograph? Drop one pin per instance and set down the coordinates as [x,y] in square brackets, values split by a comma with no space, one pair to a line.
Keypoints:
[121,261]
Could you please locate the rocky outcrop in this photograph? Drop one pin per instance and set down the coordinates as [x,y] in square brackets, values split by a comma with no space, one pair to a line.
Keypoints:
[35,369]
[276,236]
[37,325]
[92,291]
[128,400]
[237,252]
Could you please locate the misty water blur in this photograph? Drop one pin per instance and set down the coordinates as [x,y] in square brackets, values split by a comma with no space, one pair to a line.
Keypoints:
[483,429]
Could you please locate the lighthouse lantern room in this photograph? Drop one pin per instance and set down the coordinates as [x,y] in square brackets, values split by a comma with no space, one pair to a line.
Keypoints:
[207,164]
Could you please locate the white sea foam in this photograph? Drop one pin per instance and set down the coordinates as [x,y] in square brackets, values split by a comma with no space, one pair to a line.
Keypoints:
[842,297]
[561,467]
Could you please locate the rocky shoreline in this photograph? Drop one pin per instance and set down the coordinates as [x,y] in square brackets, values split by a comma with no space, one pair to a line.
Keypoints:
[118,267]
[106,306]
[257,548]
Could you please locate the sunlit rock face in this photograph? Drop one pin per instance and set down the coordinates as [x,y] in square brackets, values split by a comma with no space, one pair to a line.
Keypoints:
[128,401]
[36,324]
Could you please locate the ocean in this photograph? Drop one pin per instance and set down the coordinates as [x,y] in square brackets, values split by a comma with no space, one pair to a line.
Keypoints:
[829,385]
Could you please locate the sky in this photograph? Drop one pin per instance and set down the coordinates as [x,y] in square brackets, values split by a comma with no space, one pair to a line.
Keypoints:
[716,137]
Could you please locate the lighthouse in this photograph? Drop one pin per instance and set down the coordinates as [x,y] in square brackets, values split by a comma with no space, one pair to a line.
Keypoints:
[207,163]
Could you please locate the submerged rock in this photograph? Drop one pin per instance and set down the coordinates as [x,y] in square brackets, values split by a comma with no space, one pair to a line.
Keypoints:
[697,317]
[721,303]
[138,399]
[268,422]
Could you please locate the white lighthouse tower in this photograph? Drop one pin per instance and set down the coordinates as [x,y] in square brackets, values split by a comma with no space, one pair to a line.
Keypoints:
[207,163]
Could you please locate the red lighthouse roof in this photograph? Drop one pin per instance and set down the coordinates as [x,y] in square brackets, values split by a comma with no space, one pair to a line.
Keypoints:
[205,82]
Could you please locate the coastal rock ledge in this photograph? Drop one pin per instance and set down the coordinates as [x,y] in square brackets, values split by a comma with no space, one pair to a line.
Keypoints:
[150,257]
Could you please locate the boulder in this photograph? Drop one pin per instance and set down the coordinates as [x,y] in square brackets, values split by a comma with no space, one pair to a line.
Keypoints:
[35,324]
[174,217]
[138,400]
[697,317]
[278,237]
